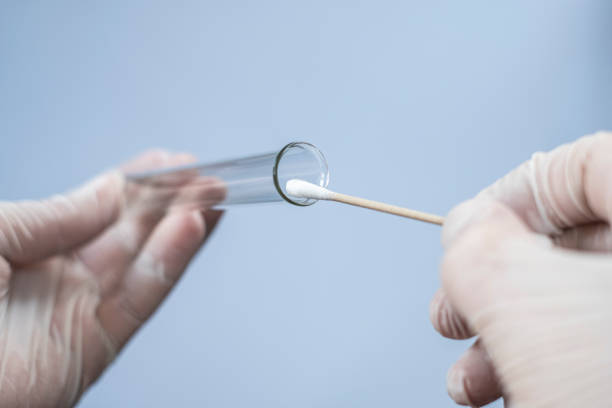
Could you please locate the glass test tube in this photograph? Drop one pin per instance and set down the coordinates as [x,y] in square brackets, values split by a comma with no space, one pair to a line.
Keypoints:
[254,179]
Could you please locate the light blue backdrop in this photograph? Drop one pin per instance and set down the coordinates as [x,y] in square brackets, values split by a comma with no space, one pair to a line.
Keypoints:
[416,104]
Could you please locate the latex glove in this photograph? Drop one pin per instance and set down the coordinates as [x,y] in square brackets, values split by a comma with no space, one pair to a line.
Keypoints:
[526,269]
[79,274]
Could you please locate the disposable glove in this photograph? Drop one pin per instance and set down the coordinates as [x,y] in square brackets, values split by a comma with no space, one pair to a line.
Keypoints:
[527,270]
[80,273]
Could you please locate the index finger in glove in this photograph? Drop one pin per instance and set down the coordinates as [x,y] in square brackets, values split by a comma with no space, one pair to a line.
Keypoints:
[567,187]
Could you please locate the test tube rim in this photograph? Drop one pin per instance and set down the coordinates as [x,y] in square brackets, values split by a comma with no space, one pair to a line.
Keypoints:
[322,160]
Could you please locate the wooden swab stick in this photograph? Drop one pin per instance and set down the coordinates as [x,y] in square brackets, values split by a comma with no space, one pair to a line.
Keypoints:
[301,188]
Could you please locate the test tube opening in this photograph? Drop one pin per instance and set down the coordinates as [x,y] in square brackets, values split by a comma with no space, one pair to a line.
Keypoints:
[300,160]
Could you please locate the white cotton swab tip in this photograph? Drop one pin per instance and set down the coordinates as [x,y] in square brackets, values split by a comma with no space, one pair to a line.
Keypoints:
[304,189]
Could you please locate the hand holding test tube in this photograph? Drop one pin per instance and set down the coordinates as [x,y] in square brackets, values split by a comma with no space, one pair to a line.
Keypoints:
[80,273]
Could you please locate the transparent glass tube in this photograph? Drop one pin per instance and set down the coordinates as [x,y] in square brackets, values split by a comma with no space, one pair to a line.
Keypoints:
[247,180]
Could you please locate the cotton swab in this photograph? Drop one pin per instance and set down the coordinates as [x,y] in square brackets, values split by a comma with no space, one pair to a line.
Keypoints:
[301,188]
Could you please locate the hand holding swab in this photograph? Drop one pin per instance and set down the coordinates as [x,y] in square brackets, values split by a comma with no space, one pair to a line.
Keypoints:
[301,188]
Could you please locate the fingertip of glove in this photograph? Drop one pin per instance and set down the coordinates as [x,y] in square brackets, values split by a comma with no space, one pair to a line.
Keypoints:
[455,386]
[460,217]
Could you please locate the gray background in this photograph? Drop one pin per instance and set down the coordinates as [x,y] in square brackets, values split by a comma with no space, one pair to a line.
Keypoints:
[416,104]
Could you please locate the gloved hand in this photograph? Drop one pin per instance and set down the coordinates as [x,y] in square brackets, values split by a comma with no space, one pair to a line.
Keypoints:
[79,274]
[526,269]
